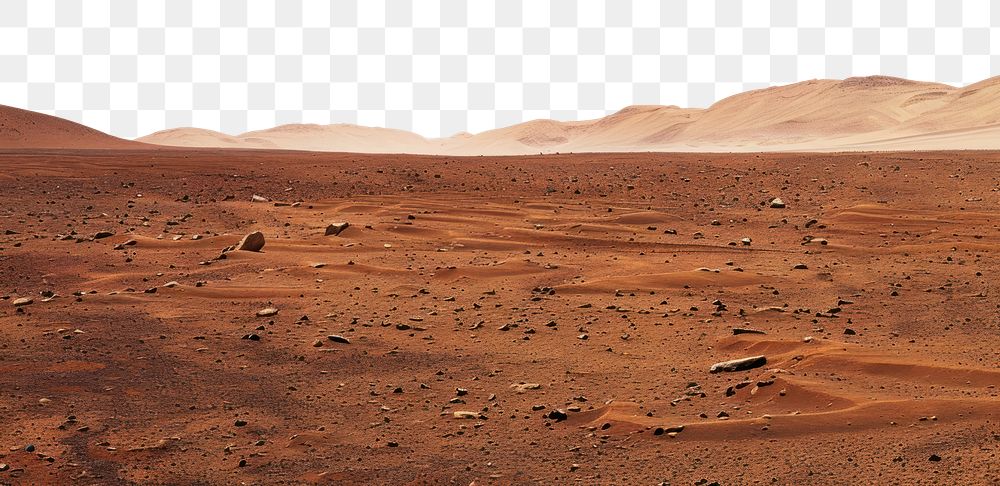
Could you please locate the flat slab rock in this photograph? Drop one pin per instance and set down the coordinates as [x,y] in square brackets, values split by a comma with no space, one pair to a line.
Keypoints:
[739,364]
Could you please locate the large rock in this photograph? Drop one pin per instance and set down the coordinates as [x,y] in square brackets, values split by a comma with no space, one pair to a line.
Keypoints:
[251,242]
[739,364]
[336,228]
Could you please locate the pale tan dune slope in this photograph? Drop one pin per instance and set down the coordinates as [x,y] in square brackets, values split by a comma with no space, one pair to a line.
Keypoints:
[820,114]
[525,138]
[870,113]
[810,111]
[325,138]
[343,138]
[200,137]
[975,106]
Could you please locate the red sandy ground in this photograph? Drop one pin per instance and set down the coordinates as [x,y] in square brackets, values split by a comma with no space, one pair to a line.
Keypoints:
[156,382]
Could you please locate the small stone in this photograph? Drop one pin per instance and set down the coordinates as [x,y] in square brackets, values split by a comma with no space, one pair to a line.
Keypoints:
[523,387]
[557,415]
[746,241]
[268,312]
[256,198]
[251,242]
[744,330]
[335,229]
[670,431]
[240,423]
[934,458]
[23,301]
[103,234]
[800,266]
[465,415]
[777,203]
[338,339]
[849,332]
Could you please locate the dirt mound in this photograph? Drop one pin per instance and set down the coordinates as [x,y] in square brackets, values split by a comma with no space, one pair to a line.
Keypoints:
[23,129]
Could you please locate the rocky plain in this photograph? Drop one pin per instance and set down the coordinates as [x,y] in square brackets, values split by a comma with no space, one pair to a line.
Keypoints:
[202,316]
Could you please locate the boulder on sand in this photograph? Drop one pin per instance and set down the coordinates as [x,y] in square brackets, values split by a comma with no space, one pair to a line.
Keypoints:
[251,242]
[335,228]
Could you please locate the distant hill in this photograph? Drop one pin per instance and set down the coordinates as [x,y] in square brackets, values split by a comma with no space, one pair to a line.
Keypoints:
[869,113]
[23,129]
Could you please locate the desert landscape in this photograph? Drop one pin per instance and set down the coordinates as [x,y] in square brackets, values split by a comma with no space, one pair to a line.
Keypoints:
[233,316]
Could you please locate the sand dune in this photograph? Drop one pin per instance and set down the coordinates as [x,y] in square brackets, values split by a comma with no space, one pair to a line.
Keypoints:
[199,137]
[320,138]
[23,129]
[868,113]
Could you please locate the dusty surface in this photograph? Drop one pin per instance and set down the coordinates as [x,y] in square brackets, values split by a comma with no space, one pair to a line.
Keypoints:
[868,113]
[489,275]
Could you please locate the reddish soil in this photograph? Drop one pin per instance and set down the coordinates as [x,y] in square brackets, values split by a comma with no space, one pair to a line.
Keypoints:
[612,282]
[23,129]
